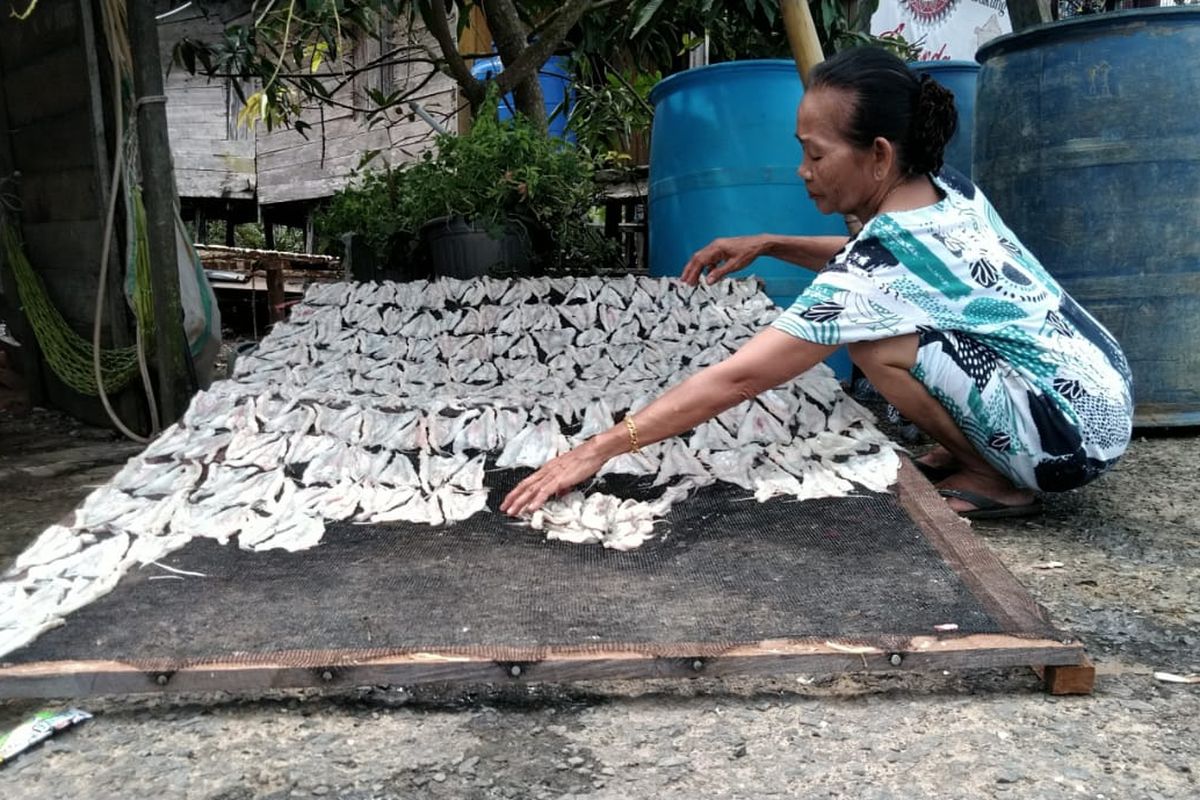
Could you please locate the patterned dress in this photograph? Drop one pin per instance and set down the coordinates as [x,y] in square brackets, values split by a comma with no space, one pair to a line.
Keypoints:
[1036,384]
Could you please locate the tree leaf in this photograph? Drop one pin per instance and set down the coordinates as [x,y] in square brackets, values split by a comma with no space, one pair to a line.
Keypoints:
[251,111]
[648,12]
[771,9]
[315,55]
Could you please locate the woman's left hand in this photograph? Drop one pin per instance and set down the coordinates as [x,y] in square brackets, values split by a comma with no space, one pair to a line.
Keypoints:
[556,477]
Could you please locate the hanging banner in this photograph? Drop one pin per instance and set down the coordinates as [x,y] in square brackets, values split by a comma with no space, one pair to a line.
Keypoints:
[947,29]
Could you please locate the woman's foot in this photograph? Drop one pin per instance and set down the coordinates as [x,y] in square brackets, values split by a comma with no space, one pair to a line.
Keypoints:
[939,458]
[979,495]
[937,464]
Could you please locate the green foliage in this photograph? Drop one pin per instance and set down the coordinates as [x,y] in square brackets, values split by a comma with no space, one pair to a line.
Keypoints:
[619,58]
[299,51]
[500,174]
[373,208]
[656,33]
[611,110]
[251,234]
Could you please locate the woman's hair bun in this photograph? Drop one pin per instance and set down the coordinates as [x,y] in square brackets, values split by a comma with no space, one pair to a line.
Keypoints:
[934,122]
[892,101]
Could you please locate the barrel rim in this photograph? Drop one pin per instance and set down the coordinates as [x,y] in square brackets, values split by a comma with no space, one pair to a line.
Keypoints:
[949,65]
[672,83]
[1064,29]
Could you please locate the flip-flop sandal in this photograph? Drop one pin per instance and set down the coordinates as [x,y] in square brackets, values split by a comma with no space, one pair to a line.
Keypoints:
[934,474]
[987,508]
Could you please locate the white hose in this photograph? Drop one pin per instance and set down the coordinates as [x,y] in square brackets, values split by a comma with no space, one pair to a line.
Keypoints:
[98,317]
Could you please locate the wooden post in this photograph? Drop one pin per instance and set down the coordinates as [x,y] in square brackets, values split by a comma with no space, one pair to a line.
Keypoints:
[1078,679]
[269,235]
[1027,13]
[802,35]
[230,231]
[275,298]
[158,190]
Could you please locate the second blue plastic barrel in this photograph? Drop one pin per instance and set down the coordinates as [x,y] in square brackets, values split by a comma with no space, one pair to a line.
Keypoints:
[962,78]
[555,77]
[723,161]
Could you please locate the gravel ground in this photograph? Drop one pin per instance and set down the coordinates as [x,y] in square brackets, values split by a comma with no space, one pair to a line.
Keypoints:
[1129,587]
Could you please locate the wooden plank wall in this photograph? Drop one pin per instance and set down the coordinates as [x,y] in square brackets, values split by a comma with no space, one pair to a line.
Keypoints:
[217,159]
[214,158]
[55,117]
[292,168]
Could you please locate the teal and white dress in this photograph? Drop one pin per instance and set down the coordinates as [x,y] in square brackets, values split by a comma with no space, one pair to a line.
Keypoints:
[1036,384]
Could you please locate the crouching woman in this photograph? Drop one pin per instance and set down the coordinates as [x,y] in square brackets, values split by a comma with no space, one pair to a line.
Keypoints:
[952,319]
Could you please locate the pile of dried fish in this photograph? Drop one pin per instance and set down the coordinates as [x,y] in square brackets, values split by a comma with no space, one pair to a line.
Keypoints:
[389,402]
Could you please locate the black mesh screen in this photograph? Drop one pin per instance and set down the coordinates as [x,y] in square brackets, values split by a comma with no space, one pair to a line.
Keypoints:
[722,569]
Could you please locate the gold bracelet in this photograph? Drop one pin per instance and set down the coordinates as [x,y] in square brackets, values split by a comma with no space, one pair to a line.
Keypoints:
[633,440]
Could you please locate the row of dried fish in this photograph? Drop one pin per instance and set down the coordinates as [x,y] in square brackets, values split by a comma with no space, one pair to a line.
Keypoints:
[623,292]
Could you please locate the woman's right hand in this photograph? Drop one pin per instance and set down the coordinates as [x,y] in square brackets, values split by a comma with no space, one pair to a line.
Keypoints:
[722,256]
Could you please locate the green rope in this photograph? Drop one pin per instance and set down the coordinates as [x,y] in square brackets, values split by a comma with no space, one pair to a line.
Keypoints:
[143,299]
[69,355]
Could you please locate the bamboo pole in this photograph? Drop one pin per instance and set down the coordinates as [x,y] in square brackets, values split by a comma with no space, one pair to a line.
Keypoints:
[802,35]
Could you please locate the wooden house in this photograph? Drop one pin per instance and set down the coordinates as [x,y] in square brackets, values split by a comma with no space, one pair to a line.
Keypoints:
[237,173]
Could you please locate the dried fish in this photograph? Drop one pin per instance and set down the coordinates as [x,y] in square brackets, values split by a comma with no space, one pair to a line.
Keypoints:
[819,480]
[533,446]
[226,486]
[759,426]
[459,505]
[772,481]
[712,435]
[168,443]
[103,506]
[398,472]
[337,502]
[344,423]
[733,466]
[597,418]
[391,396]
[479,433]
[847,414]
[873,471]
[293,531]
[642,463]
[678,461]
[54,543]
[262,450]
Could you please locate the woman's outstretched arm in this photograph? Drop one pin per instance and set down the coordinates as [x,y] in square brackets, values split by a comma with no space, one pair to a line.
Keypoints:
[766,361]
[723,256]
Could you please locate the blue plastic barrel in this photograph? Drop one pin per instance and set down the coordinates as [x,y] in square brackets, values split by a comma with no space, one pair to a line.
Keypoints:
[960,77]
[555,77]
[1088,144]
[723,161]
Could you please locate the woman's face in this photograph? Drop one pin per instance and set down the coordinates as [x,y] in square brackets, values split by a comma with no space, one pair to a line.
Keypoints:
[840,177]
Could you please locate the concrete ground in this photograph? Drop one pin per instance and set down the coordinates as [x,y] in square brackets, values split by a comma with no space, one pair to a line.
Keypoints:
[1129,586]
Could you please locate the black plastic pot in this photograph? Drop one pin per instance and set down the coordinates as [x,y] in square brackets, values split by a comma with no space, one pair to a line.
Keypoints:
[460,248]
